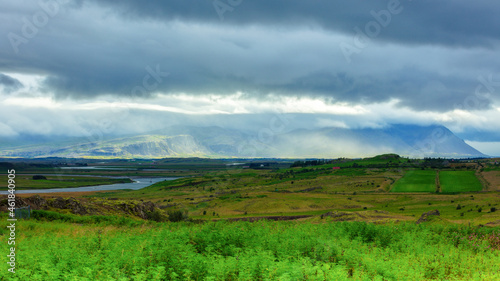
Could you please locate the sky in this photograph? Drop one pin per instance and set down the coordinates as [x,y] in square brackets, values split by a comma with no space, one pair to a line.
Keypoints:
[71,68]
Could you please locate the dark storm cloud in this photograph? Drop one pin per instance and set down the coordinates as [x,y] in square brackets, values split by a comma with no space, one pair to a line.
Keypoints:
[136,48]
[448,22]
[9,83]
[416,89]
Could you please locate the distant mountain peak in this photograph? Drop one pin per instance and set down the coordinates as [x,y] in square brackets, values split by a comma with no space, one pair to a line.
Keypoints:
[328,142]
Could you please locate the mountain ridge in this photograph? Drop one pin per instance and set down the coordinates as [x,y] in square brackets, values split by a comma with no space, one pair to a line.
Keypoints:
[217,142]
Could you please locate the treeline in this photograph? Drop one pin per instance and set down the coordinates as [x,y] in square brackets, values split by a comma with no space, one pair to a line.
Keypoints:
[308,163]
[428,162]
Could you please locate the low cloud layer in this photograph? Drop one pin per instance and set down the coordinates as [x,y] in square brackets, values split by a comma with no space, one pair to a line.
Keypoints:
[9,84]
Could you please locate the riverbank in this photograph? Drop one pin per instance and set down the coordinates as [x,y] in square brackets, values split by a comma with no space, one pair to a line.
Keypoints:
[132,183]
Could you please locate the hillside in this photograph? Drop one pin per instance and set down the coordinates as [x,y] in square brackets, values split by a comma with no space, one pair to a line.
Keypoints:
[412,141]
[145,146]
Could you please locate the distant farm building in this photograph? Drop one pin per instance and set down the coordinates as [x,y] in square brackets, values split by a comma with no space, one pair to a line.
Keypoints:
[335,168]
[263,165]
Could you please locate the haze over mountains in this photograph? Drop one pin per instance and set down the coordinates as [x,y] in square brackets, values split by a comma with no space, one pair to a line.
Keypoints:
[183,141]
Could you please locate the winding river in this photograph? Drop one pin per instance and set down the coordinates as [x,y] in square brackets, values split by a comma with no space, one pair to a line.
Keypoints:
[139,182]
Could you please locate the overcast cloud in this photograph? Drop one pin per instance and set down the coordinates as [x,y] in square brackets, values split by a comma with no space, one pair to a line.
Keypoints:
[327,63]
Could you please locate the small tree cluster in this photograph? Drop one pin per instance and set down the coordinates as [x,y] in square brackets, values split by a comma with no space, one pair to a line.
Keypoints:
[176,216]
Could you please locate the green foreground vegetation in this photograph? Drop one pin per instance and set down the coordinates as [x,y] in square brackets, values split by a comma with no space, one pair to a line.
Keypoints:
[252,251]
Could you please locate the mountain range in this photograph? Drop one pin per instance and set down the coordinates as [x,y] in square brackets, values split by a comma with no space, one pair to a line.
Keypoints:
[330,142]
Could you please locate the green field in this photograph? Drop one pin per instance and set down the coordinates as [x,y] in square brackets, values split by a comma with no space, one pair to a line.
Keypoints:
[416,181]
[118,249]
[459,181]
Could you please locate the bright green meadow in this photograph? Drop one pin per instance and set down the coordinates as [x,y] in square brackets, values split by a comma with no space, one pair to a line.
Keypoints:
[459,181]
[416,181]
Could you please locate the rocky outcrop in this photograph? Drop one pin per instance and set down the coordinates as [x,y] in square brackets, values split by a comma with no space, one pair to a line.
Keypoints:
[427,216]
[4,203]
[340,216]
[141,209]
[36,202]
[70,203]
[145,210]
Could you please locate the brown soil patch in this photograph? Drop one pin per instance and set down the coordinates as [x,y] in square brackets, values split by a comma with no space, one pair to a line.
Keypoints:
[375,216]
[272,218]
[493,178]
[493,223]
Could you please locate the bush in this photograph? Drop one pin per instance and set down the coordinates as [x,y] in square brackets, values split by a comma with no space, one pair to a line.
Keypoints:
[39,177]
[156,215]
[176,216]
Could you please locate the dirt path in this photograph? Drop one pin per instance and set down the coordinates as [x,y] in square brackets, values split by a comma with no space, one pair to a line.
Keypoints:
[438,185]
[479,175]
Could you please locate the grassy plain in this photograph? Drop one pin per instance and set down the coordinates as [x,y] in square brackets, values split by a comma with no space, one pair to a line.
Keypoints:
[360,194]
[459,181]
[330,241]
[416,181]
[360,188]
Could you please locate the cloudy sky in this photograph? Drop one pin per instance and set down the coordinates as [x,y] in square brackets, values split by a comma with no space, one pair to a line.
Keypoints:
[68,68]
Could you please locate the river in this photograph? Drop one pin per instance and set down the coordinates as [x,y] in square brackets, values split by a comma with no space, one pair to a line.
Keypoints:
[139,182]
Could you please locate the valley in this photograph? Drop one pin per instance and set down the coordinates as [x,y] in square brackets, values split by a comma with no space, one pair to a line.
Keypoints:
[256,219]
[211,189]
